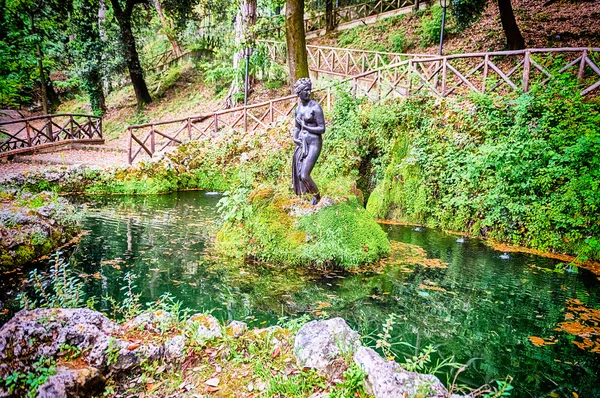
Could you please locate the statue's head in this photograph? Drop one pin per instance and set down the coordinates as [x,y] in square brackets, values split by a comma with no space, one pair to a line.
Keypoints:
[301,84]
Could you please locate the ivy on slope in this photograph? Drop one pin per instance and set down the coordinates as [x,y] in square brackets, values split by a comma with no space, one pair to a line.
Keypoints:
[523,170]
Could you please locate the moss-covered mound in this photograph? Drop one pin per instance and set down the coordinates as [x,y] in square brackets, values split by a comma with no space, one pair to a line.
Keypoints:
[32,226]
[278,228]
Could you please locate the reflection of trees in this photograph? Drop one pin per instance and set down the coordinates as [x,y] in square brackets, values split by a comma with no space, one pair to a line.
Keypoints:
[488,311]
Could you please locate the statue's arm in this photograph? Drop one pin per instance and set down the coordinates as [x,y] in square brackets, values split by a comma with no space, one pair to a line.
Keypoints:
[319,119]
[296,131]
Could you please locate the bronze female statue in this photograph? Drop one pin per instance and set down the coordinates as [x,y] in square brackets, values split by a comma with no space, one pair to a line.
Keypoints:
[308,136]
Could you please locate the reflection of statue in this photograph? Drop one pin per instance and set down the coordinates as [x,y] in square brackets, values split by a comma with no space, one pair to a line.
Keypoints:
[308,129]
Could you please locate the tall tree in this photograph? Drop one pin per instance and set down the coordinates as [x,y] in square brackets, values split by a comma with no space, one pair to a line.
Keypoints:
[244,39]
[468,11]
[329,20]
[514,39]
[168,28]
[29,27]
[296,40]
[123,15]
[87,46]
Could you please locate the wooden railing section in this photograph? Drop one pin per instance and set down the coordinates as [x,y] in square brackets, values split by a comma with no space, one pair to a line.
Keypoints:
[504,72]
[341,15]
[33,133]
[338,61]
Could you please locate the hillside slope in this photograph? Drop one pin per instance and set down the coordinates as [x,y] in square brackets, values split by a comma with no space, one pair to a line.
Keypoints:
[560,23]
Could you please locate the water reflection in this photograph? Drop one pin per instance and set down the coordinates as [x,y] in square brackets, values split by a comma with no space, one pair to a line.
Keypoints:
[479,307]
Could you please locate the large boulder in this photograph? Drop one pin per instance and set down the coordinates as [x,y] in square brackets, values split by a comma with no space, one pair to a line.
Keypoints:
[319,344]
[65,383]
[99,343]
[387,379]
[29,335]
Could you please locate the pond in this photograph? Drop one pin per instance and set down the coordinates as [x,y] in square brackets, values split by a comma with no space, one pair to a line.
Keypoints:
[502,314]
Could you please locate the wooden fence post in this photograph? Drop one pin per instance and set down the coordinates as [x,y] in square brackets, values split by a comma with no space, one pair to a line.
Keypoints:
[444,74]
[189,128]
[216,123]
[582,65]
[526,71]
[130,150]
[485,72]
[152,140]
[72,133]
[28,128]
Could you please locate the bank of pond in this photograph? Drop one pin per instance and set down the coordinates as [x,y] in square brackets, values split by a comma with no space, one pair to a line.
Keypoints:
[503,315]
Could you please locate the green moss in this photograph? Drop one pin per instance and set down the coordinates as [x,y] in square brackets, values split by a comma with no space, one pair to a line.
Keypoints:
[24,254]
[341,235]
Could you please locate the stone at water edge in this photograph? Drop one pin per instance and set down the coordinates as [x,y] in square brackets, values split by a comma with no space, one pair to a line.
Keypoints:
[323,345]
[205,327]
[387,379]
[85,382]
[236,328]
[319,344]
[150,321]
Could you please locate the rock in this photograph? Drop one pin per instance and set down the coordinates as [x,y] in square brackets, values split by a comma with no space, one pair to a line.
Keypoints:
[319,343]
[174,348]
[49,328]
[212,382]
[65,383]
[29,335]
[236,328]
[205,327]
[387,379]
[152,321]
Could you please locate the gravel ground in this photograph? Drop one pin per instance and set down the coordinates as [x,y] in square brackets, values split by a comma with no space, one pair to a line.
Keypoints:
[66,158]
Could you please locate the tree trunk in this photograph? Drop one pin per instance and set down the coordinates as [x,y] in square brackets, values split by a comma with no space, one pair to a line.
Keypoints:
[296,40]
[244,20]
[40,64]
[329,20]
[89,34]
[514,39]
[102,30]
[131,55]
[167,29]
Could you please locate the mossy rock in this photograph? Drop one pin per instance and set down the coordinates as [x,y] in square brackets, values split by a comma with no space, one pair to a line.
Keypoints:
[283,230]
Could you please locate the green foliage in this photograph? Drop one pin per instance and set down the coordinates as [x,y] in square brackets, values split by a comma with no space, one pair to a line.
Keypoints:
[112,351]
[27,384]
[59,289]
[430,27]
[353,383]
[466,12]
[235,205]
[521,170]
[343,234]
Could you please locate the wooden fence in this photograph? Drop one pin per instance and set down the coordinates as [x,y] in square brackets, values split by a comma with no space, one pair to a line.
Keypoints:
[337,61]
[340,15]
[39,132]
[504,72]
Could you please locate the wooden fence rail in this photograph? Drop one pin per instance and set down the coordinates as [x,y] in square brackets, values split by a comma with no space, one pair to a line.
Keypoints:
[340,15]
[503,72]
[338,61]
[33,133]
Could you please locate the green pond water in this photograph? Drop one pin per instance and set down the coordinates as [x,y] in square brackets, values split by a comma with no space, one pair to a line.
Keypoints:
[482,308]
